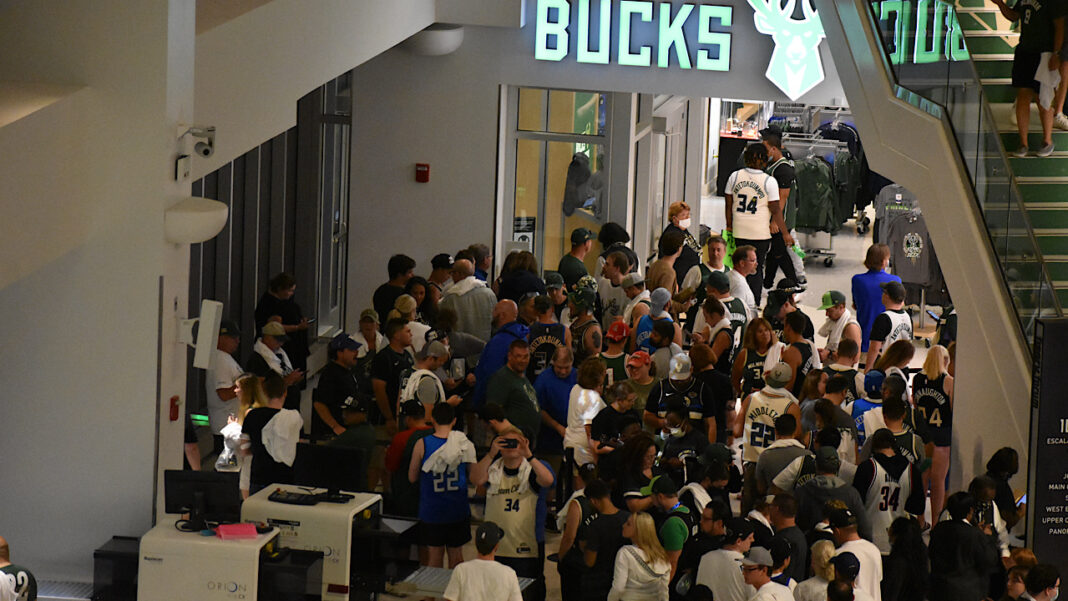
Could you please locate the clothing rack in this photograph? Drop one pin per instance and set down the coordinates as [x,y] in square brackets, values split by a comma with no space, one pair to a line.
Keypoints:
[806,145]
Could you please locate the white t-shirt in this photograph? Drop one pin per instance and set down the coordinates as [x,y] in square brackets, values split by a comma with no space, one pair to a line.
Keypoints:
[582,407]
[751,190]
[740,290]
[380,343]
[223,373]
[871,566]
[773,591]
[419,331]
[721,572]
[483,580]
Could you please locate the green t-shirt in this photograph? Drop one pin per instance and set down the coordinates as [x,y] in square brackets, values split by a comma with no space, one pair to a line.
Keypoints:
[641,392]
[25,583]
[572,270]
[516,396]
[1036,24]
[674,531]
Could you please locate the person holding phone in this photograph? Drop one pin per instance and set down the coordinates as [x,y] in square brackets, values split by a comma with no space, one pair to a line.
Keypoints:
[513,481]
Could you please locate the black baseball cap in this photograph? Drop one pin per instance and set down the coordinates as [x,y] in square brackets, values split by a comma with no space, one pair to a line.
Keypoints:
[487,536]
[664,485]
[895,290]
[736,529]
[846,565]
[581,235]
[412,408]
[229,327]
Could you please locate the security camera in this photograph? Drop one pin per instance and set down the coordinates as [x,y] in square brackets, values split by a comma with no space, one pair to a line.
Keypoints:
[206,147]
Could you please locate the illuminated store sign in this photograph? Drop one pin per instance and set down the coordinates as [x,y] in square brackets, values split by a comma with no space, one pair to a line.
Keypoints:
[646,33]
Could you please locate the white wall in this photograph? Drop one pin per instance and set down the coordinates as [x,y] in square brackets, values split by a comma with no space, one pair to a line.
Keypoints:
[251,71]
[85,186]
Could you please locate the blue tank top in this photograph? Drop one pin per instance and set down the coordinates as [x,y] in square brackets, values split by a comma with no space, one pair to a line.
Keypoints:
[642,332]
[442,497]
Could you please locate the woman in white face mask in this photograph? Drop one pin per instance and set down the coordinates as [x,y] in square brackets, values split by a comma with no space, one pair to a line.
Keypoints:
[682,443]
[679,217]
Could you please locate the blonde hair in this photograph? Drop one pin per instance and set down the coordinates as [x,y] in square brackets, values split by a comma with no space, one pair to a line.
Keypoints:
[936,363]
[677,207]
[251,395]
[822,552]
[645,538]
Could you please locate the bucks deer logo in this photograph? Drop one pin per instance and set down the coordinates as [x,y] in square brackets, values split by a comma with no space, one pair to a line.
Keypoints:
[795,66]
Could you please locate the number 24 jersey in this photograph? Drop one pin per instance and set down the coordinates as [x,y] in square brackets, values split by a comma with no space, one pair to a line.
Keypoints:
[751,190]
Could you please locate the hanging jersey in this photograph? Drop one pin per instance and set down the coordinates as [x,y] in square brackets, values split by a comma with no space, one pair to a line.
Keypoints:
[442,497]
[513,508]
[578,333]
[933,403]
[753,376]
[764,408]
[751,190]
[885,500]
[545,339]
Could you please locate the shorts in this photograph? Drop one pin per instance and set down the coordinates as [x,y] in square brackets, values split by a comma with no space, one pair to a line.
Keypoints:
[378,453]
[1024,66]
[453,535]
[942,437]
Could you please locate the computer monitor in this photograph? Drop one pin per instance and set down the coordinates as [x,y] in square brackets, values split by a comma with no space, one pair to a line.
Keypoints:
[206,496]
[330,467]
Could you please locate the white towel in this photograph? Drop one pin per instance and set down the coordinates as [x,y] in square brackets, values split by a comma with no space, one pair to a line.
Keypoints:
[464,286]
[456,450]
[774,356]
[496,474]
[281,434]
[1047,81]
[700,495]
[281,366]
[561,518]
[832,330]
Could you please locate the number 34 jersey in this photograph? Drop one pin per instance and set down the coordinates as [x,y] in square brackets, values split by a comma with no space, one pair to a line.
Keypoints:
[765,406]
[891,488]
[751,190]
[442,496]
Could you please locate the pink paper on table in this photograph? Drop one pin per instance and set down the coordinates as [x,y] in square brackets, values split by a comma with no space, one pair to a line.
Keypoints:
[232,531]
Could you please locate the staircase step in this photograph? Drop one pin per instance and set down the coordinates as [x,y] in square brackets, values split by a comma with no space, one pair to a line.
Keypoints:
[994,68]
[979,19]
[1032,166]
[1013,244]
[1058,271]
[1062,296]
[1039,193]
[999,90]
[965,4]
[998,43]
[1011,140]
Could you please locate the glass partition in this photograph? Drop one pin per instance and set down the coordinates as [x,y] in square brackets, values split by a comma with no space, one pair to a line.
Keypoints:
[926,51]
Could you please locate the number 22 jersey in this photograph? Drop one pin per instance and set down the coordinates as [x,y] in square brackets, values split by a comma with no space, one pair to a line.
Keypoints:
[765,406]
[751,190]
[442,497]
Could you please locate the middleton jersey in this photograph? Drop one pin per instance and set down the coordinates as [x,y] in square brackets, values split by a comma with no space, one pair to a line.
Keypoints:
[764,408]
[751,190]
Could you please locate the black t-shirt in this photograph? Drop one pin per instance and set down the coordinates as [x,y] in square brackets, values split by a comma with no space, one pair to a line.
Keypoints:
[882,326]
[336,384]
[605,536]
[384,298]
[297,345]
[784,174]
[389,366]
[719,389]
[265,470]
[694,441]
[608,424]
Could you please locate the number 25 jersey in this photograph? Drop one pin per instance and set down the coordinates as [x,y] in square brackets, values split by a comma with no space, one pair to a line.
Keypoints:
[751,190]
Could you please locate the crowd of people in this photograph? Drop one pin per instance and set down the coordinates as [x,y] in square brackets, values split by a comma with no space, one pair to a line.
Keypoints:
[685,431]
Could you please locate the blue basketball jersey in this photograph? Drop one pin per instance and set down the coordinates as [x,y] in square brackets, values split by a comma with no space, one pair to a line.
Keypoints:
[442,497]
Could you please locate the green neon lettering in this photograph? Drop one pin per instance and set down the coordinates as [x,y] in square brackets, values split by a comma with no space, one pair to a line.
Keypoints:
[599,56]
[903,10]
[706,37]
[627,9]
[955,49]
[557,30]
[671,35]
[922,54]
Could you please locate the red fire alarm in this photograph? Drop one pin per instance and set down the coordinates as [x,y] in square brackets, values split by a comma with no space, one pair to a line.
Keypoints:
[422,172]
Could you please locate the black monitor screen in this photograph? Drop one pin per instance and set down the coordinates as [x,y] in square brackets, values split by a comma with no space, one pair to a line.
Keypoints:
[209,496]
[333,468]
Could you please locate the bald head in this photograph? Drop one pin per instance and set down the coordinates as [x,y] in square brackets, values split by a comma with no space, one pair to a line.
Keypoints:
[462,268]
[506,311]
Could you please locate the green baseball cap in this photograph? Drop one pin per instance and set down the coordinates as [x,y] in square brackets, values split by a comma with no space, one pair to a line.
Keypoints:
[832,298]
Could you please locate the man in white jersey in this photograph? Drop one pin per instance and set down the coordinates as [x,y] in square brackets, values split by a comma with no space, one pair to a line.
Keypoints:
[890,487]
[752,205]
[513,479]
[891,325]
[756,422]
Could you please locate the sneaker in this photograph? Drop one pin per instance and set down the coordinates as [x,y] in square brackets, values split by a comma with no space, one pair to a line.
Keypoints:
[1046,150]
[1020,152]
[1060,121]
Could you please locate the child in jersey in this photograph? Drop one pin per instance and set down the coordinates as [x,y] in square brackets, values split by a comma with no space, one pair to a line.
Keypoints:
[513,480]
[440,463]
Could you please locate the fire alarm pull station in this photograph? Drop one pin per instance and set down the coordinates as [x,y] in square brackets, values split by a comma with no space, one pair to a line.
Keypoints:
[174,409]
[422,172]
